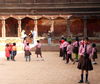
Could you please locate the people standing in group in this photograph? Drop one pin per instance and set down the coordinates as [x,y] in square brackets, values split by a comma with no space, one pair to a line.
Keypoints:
[94,53]
[38,49]
[69,52]
[76,48]
[7,52]
[27,50]
[14,51]
[84,63]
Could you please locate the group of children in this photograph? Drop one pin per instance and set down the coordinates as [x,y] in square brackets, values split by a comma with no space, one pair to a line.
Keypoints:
[27,50]
[84,51]
[10,51]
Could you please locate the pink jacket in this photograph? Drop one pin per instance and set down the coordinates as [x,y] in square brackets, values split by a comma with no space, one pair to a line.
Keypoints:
[25,43]
[65,44]
[93,50]
[69,49]
[27,48]
[38,45]
[81,42]
[61,45]
[82,49]
[75,44]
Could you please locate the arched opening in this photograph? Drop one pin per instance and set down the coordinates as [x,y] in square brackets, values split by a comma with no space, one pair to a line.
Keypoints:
[27,25]
[77,27]
[43,26]
[60,26]
[0,28]
[93,27]
[11,27]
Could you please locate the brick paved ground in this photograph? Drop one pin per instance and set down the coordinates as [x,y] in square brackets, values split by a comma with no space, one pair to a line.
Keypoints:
[51,71]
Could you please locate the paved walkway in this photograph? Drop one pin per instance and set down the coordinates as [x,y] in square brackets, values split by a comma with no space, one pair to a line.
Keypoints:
[52,70]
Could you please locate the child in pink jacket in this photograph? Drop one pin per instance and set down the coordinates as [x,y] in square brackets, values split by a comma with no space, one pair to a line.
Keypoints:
[69,51]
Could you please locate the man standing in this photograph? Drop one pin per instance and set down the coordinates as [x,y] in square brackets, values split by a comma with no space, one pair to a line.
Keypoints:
[34,33]
[49,37]
[23,34]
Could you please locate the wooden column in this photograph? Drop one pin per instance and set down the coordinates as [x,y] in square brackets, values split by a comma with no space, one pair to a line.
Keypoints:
[68,27]
[3,28]
[85,26]
[35,27]
[52,25]
[19,27]
[34,1]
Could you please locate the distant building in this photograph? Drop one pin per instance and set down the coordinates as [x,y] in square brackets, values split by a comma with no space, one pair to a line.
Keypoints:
[75,17]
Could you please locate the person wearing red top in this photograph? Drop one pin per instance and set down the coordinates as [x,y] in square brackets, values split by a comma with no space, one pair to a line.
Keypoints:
[10,46]
[64,46]
[7,52]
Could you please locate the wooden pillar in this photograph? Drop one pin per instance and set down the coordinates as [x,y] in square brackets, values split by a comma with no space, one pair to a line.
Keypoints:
[35,27]
[68,27]
[52,25]
[85,26]
[3,27]
[34,1]
[19,27]
[19,1]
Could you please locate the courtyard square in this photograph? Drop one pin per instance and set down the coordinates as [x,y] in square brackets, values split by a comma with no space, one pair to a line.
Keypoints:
[52,70]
